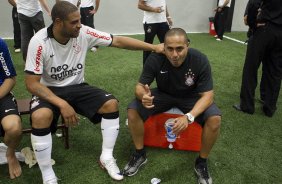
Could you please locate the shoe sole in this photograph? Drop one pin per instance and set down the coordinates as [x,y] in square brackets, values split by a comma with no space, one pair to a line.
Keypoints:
[137,169]
[103,168]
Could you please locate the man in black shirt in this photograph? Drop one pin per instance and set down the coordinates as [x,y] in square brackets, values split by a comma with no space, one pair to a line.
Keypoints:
[266,46]
[183,77]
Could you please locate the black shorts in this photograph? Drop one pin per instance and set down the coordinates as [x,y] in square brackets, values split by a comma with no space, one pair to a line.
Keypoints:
[163,102]
[85,99]
[8,106]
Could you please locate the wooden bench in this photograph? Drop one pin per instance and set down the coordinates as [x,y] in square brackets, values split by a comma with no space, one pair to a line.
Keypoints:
[23,107]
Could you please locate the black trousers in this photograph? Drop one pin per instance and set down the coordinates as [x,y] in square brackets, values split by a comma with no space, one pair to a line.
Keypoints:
[151,30]
[266,46]
[219,21]
[87,18]
[17,29]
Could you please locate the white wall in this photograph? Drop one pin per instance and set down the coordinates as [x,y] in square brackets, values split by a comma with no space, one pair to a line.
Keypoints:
[239,10]
[123,16]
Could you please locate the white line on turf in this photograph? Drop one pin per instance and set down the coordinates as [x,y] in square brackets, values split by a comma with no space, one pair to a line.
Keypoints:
[235,40]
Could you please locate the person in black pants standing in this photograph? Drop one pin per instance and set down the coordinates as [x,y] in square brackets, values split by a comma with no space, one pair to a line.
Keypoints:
[220,17]
[156,21]
[266,46]
[16,25]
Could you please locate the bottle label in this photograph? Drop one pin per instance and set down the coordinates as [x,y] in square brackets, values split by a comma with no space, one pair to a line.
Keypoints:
[171,137]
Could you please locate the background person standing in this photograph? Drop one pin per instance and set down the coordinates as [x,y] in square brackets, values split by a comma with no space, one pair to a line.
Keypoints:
[221,13]
[87,12]
[156,21]
[16,26]
[31,20]
[266,46]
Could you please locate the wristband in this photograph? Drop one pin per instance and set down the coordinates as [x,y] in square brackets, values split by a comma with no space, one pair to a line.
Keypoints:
[190,118]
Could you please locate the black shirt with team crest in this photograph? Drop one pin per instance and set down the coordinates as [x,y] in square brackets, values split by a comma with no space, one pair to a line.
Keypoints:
[187,81]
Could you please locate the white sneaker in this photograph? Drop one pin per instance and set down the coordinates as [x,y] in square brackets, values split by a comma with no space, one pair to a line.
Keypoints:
[51,181]
[112,168]
[93,49]
[17,50]
[215,36]
[218,39]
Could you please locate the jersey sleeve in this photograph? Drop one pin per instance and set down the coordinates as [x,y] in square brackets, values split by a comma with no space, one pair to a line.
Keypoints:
[35,56]
[6,65]
[205,82]
[148,74]
[96,37]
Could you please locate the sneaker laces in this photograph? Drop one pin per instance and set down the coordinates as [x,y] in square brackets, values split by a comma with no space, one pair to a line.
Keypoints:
[203,169]
[111,165]
[134,158]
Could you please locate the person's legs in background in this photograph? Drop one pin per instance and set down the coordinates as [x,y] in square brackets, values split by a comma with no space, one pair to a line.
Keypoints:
[17,30]
[162,30]
[150,32]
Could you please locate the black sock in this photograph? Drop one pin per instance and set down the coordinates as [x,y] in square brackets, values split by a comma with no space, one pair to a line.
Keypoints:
[140,151]
[200,160]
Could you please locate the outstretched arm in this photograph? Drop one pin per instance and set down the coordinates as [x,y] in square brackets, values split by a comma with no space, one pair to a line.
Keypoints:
[134,44]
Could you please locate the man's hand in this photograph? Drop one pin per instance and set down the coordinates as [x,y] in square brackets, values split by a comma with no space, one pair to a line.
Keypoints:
[159,9]
[180,124]
[92,12]
[246,20]
[159,48]
[69,115]
[147,99]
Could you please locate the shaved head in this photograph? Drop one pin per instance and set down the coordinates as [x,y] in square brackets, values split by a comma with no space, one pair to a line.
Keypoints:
[62,9]
[177,32]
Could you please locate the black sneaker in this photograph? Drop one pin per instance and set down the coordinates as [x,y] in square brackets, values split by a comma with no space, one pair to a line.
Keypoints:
[134,164]
[202,172]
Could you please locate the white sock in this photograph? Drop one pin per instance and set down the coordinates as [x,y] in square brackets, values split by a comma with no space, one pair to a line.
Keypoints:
[110,129]
[42,147]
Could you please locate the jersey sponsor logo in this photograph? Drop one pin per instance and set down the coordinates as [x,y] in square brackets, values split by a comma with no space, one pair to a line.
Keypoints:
[38,57]
[64,71]
[189,78]
[97,35]
[5,67]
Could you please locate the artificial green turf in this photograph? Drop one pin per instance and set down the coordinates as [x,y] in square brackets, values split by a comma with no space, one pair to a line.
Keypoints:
[247,151]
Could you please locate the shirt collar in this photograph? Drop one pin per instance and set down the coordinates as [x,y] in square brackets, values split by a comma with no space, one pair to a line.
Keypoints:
[50,31]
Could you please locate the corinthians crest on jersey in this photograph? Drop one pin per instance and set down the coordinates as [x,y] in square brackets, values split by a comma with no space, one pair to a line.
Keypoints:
[189,78]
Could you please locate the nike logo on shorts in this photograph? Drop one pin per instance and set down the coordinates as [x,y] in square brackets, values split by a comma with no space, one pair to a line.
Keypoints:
[163,72]
[108,94]
[7,110]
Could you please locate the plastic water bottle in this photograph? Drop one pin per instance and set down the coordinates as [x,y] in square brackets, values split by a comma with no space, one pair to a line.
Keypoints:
[170,136]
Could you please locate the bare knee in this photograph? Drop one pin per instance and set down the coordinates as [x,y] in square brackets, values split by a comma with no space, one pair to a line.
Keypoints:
[213,123]
[12,125]
[109,106]
[42,118]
